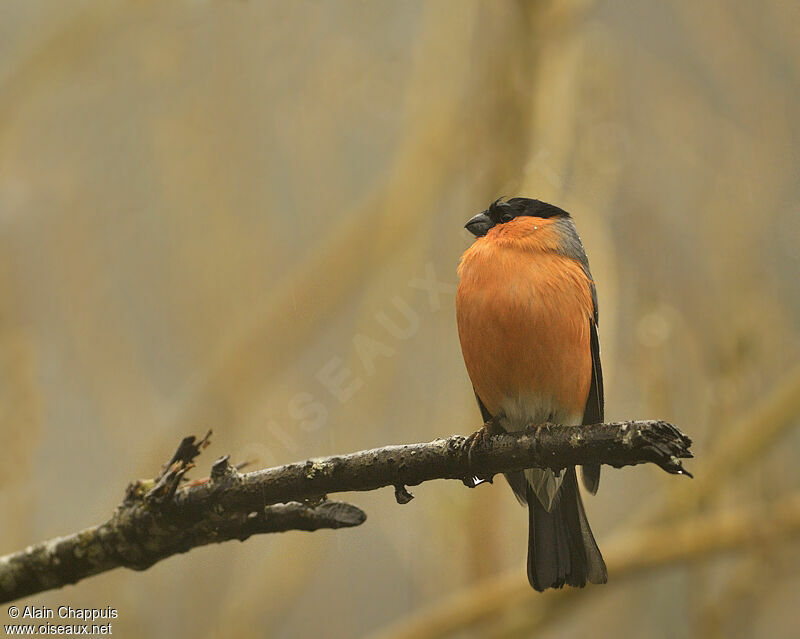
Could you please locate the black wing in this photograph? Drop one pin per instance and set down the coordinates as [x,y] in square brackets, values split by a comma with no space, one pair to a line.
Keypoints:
[593,413]
[487,416]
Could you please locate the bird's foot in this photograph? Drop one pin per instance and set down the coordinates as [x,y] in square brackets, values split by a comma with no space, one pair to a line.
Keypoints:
[534,429]
[473,443]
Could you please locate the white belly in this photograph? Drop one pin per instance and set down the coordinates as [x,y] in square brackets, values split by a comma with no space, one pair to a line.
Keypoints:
[521,411]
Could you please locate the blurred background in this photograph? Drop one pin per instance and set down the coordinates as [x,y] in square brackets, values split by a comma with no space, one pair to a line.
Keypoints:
[209,210]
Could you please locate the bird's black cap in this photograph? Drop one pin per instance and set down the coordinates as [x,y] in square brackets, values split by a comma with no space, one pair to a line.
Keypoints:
[501,212]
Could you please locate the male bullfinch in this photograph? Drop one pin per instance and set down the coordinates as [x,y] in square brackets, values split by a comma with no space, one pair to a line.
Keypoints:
[527,320]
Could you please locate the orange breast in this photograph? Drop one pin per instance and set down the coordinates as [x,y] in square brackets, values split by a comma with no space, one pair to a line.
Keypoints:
[523,321]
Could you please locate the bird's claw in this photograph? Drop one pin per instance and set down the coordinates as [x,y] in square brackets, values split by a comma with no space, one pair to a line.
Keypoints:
[537,428]
[471,443]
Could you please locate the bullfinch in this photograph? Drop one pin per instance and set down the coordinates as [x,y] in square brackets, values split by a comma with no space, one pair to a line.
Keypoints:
[526,308]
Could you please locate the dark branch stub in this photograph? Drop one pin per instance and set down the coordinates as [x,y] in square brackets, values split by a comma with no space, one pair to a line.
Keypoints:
[401,494]
[174,470]
[222,469]
[188,450]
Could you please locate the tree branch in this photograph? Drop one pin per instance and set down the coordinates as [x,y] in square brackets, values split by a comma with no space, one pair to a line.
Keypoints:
[549,446]
[159,518]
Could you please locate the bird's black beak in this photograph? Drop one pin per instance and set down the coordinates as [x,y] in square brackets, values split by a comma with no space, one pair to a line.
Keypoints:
[479,225]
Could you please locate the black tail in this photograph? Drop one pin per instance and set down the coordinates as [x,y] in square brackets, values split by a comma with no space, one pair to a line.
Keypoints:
[561,548]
